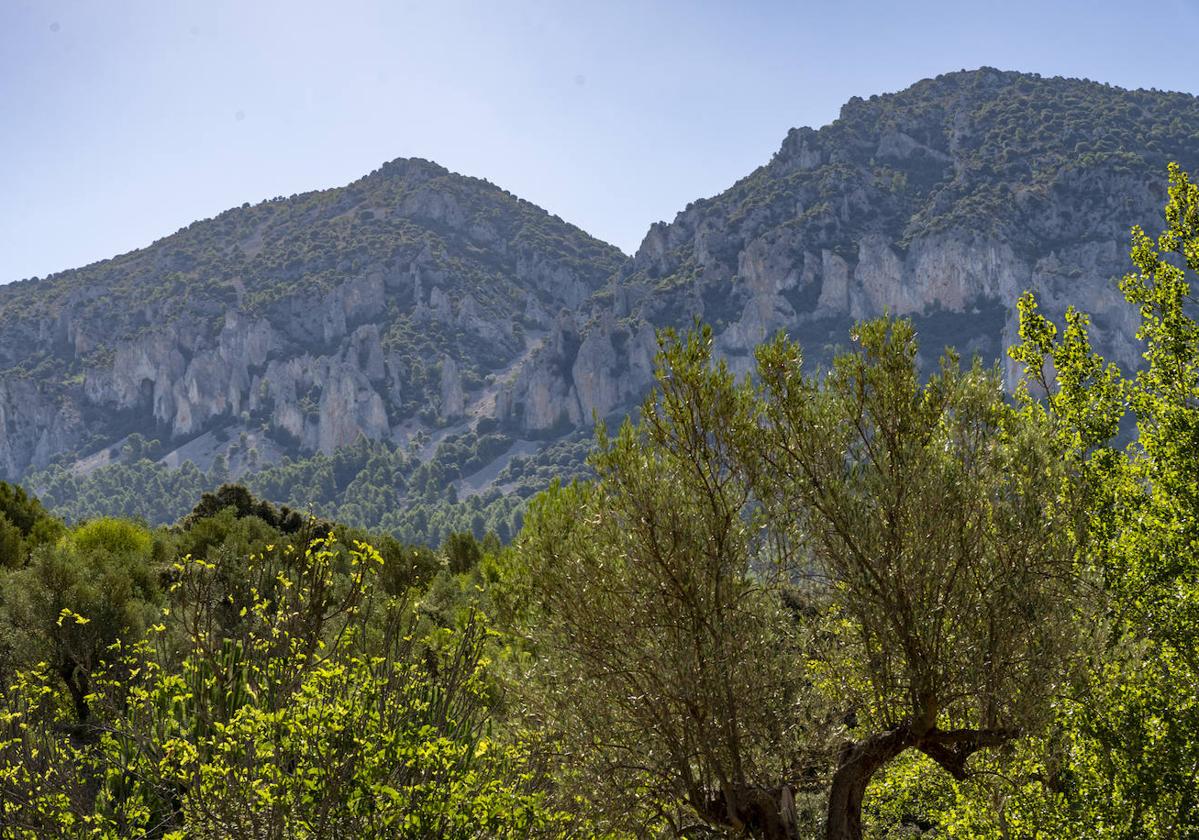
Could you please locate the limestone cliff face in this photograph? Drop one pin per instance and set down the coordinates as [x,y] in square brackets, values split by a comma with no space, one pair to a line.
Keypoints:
[578,374]
[943,203]
[37,425]
[414,301]
[318,319]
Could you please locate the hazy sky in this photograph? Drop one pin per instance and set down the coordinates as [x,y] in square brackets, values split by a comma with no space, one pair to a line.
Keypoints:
[121,122]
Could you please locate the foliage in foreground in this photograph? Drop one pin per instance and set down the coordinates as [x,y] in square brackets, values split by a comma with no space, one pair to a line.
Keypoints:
[862,605]
[929,608]
[1131,765]
[279,693]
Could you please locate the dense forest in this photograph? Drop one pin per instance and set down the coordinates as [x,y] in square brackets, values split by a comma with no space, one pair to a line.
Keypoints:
[369,484]
[857,602]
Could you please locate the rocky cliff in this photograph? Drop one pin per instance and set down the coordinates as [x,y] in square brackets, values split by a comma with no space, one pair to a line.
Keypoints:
[942,202]
[458,327]
[373,310]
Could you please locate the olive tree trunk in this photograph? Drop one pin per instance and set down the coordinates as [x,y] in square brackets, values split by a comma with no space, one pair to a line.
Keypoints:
[858,761]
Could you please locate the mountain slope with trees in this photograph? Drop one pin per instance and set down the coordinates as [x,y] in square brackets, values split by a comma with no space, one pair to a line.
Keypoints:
[386,309]
[426,343]
[847,603]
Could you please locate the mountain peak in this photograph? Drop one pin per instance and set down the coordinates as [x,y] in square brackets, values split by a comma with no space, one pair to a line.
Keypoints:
[411,169]
[373,310]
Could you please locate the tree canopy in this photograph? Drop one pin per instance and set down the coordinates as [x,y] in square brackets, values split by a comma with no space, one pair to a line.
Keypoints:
[848,602]
[784,585]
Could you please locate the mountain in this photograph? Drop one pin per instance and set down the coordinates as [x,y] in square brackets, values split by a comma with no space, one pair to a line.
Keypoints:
[942,202]
[419,350]
[379,309]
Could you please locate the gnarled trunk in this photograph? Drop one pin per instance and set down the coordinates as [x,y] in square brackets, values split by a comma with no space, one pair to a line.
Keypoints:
[857,762]
[755,812]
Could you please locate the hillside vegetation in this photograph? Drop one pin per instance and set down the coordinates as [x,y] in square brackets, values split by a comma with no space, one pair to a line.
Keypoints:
[467,338]
[862,601]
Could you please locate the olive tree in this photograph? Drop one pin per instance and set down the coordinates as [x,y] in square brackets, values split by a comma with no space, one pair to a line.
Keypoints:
[668,660]
[758,568]
[933,514]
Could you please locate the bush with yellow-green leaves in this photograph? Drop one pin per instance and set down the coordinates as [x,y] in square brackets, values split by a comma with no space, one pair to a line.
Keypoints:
[296,703]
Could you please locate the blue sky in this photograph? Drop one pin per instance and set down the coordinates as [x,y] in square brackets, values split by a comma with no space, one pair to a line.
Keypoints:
[121,122]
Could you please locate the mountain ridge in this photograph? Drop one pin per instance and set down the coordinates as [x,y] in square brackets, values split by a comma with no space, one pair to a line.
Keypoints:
[943,202]
[473,336]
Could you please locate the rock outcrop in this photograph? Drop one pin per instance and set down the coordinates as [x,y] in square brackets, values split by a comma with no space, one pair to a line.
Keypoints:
[943,203]
[320,319]
[414,301]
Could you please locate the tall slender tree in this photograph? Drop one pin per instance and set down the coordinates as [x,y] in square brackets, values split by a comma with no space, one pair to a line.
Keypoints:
[1133,734]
